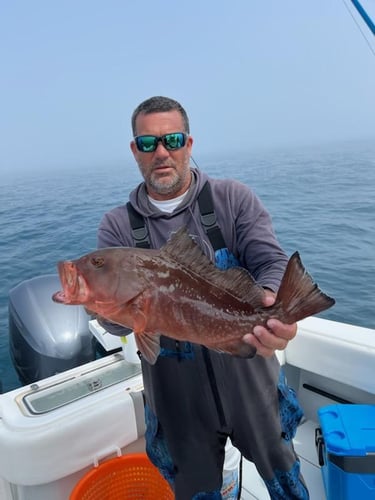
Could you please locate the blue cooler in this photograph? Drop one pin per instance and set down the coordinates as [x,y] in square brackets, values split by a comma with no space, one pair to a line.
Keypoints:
[345,443]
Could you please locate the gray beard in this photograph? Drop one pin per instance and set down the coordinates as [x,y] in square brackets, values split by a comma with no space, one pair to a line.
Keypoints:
[165,188]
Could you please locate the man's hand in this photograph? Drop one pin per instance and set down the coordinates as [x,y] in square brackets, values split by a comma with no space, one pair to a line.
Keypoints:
[275,337]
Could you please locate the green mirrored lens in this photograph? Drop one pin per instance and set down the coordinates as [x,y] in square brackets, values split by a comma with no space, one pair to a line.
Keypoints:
[174,141]
[147,143]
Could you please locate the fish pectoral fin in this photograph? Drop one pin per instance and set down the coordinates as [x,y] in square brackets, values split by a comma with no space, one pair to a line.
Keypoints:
[139,320]
[149,346]
[236,348]
[148,343]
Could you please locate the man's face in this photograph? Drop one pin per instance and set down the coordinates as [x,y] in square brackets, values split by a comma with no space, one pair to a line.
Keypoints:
[166,172]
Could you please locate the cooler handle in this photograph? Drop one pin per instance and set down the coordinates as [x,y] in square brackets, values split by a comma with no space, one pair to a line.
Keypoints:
[319,445]
[105,453]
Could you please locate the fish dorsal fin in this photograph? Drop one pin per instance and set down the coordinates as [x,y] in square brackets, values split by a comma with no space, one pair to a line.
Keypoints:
[237,281]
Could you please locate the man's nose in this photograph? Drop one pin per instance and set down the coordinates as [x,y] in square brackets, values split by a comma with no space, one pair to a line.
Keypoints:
[161,151]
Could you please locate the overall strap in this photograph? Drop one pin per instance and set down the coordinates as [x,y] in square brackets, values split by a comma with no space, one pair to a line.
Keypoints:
[138,227]
[208,217]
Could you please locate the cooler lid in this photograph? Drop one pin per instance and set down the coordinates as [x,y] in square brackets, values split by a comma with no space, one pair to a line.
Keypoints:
[348,429]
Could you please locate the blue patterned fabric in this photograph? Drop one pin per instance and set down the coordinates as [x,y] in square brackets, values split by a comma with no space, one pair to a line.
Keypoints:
[290,410]
[287,485]
[183,351]
[224,259]
[156,447]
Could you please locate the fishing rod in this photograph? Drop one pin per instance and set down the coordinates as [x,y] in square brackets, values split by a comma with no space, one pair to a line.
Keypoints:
[195,163]
[363,13]
[365,17]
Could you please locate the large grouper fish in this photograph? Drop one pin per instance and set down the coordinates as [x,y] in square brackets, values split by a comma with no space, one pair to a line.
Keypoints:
[178,292]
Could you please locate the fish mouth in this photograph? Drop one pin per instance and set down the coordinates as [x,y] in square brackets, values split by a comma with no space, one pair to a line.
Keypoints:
[74,286]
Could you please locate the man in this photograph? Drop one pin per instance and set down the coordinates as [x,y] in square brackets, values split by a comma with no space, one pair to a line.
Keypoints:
[196,398]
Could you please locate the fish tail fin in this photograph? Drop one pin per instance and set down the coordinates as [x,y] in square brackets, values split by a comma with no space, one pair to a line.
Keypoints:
[298,295]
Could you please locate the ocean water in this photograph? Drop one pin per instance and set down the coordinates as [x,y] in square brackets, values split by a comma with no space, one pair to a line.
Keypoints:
[321,199]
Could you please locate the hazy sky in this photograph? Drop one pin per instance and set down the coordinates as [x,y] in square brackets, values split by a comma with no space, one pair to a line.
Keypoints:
[249,73]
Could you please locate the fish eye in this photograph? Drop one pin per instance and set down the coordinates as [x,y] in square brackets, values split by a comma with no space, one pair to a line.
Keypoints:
[97,261]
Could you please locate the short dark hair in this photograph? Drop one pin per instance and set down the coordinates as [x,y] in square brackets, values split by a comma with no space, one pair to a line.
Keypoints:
[159,104]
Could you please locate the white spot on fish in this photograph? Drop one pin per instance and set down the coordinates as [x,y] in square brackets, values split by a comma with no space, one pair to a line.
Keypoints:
[162,274]
[167,289]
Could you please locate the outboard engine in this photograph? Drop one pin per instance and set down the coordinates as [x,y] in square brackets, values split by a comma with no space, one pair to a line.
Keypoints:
[45,337]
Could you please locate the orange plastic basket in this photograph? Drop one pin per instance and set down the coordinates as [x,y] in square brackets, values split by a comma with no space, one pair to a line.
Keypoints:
[128,477]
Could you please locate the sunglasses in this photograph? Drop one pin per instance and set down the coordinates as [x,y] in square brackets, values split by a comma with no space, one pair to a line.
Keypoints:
[149,143]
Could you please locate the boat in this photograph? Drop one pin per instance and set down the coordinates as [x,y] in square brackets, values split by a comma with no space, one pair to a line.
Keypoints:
[75,410]
[56,428]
